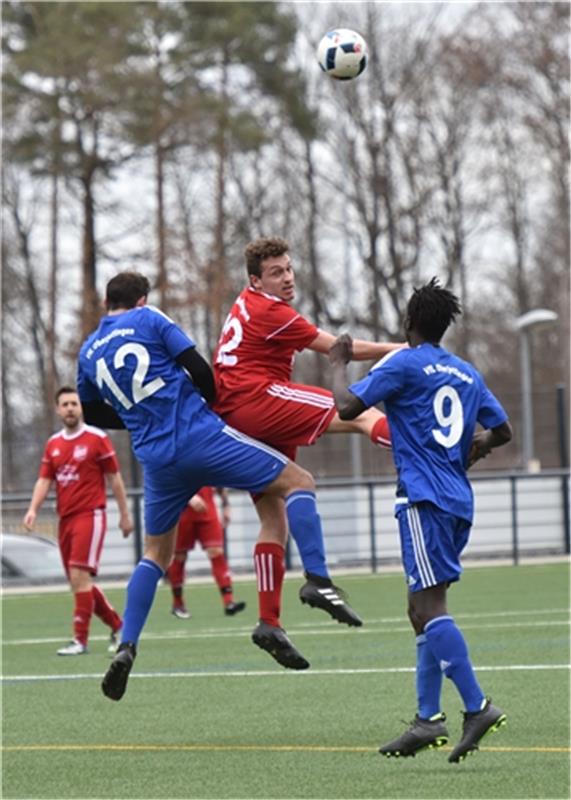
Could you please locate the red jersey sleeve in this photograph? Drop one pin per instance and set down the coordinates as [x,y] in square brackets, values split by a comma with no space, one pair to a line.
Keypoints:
[107,456]
[285,325]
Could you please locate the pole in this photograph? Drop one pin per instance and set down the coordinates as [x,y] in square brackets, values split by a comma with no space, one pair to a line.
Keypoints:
[526,401]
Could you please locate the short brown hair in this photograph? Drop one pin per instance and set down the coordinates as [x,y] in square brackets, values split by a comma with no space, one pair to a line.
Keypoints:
[262,248]
[125,290]
[64,390]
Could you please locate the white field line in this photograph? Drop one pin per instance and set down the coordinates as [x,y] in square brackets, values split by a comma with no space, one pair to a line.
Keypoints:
[272,673]
[328,631]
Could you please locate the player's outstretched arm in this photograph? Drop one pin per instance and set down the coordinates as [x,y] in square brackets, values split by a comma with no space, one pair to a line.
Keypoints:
[361,349]
[348,405]
[200,372]
[485,441]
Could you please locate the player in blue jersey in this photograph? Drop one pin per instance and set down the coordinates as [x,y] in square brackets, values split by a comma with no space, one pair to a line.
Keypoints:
[140,371]
[433,401]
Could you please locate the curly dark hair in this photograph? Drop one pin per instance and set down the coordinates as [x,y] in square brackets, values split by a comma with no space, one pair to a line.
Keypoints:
[431,309]
[262,248]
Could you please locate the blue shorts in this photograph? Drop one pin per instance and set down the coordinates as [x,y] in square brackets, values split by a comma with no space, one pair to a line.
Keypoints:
[431,542]
[224,458]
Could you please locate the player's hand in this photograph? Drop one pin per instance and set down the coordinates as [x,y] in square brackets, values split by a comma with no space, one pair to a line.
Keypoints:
[197,504]
[341,351]
[480,447]
[29,520]
[126,525]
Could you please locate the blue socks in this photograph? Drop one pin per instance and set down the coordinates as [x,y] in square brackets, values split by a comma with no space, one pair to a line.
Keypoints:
[305,527]
[428,680]
[448,648]
[140,595]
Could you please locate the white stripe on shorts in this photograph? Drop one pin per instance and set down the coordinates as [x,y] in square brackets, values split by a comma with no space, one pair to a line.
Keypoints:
[421,556]
[300,396]
[242,437]
[96,535]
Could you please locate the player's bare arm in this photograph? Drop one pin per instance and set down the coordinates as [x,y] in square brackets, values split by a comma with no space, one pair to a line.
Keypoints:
[117,486]
[41,491]
[348,405]
[485,441]
[361,350]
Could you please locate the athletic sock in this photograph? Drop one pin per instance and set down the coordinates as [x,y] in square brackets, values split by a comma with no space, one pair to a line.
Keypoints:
[223,577]
[269,560]
[381,433]
[140,595]
[83,609]
[103,609]
[428,680]
[448,647]
[175,576]
[305,527]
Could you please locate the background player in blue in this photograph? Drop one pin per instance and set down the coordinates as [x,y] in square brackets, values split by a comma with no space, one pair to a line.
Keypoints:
[140,371]
[433,401]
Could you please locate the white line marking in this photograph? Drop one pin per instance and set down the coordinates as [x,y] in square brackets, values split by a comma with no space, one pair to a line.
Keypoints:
[329,631]
[272,673]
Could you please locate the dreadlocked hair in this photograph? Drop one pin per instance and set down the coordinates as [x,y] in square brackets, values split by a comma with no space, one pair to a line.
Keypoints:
[431,309]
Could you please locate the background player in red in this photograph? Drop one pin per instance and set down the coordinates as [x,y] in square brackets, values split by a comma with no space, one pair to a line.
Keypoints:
[200,522]
[255,394]
[79,458]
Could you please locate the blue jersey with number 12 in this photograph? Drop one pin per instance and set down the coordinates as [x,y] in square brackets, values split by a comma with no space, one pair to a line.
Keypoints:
[433,400]
[129,362]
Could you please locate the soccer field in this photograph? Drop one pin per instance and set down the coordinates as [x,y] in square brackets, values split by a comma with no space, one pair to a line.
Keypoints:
[208,715]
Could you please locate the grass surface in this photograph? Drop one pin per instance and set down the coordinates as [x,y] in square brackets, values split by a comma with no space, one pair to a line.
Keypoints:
[208,715]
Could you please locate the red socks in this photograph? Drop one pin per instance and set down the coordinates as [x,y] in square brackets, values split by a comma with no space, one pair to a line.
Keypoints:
[269,560]
[104,610]
[82,616]
[175,576]
[381,434]
[223,577]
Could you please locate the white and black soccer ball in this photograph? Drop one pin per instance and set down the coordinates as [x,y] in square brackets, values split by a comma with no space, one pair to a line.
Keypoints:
[342,54]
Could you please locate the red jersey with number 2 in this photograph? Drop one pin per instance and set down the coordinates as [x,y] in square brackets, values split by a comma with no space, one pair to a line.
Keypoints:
[78,463]
[257,347]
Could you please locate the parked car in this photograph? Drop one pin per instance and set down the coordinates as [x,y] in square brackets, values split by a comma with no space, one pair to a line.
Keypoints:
[30,559]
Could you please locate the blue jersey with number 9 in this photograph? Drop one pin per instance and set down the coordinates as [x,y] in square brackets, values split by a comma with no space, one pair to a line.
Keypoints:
[433,400]
[129,362]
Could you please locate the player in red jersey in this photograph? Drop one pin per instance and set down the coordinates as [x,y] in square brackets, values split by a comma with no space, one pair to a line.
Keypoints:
[255,394]
[78,459]
[199,522]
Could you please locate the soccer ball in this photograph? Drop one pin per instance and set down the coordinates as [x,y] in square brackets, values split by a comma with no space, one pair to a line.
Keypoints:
[342,54]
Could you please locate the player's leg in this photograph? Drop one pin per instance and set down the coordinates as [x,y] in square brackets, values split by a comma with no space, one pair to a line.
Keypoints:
[185,541]
[176,577]
[297,487]
[103,609]
[82,537]
[141,591]
[223,576]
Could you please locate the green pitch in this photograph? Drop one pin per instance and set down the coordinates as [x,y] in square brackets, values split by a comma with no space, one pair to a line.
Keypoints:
[208,715]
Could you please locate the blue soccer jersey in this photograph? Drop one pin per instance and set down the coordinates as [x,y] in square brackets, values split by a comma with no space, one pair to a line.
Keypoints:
[433,400]
[129,363]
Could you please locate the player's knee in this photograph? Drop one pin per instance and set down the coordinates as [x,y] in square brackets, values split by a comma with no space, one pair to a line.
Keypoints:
[302,479]
[214,552]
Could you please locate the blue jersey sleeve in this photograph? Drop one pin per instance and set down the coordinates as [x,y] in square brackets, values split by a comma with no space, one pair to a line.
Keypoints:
[491,413]
[385,379]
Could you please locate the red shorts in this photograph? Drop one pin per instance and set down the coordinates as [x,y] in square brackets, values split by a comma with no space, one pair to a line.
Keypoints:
[81,538]
[207,531]
[285,415]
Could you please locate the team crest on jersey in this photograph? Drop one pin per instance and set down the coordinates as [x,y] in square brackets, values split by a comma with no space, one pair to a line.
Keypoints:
[56,452]
[80,452]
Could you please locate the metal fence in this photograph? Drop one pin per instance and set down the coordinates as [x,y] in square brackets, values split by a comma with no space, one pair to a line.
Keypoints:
[517,515]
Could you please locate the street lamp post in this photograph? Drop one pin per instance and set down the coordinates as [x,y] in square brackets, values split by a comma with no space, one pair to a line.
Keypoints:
[532,320]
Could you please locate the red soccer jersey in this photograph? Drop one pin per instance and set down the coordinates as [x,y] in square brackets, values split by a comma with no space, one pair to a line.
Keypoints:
[78,463]
[257,346]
